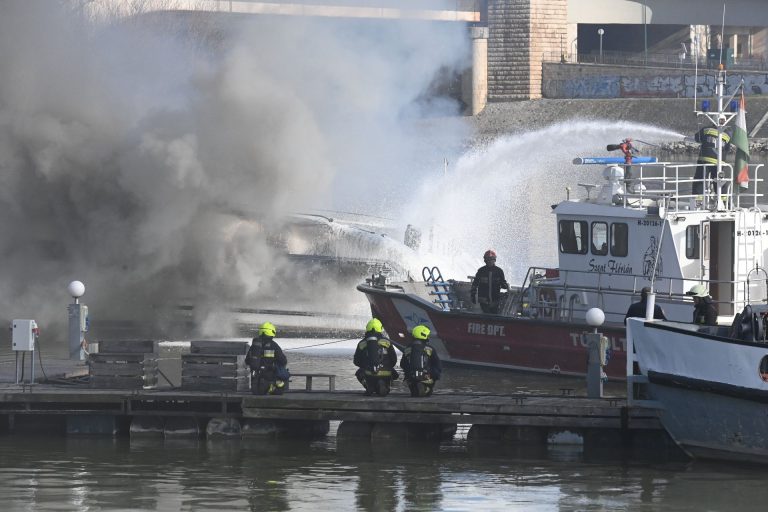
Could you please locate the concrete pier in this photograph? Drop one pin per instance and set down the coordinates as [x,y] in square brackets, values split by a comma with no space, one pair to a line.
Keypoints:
[479,36]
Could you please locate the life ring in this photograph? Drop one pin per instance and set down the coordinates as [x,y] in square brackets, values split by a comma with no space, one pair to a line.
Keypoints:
[547,300]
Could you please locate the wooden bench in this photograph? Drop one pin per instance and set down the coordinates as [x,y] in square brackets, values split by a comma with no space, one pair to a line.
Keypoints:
[310,376]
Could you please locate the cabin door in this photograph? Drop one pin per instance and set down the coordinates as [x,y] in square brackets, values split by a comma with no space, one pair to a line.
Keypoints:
[718,252]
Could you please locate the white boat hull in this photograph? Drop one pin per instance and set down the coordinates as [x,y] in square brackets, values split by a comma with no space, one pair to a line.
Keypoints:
[714,397]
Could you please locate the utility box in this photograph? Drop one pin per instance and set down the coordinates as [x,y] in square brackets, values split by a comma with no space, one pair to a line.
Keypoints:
[24,334]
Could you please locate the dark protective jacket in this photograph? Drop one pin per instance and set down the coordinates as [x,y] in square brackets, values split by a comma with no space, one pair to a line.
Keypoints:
[265,353]
[707,137]
[705,312]
[637,310]
[488,283]
[421,357]
[372,347]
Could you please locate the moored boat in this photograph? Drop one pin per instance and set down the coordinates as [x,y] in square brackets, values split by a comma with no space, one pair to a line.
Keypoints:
[643,226]
[711,383]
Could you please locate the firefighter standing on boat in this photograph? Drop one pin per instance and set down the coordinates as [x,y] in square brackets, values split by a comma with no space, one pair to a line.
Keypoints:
[420,363]
[704,310]
[487,284]
[375,358]
[268,364]
[707,159]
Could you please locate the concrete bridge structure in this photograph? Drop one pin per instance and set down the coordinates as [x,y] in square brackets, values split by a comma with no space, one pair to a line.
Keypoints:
[510,38]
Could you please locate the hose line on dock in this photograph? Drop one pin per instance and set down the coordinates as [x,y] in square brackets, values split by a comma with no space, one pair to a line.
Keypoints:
[318,344]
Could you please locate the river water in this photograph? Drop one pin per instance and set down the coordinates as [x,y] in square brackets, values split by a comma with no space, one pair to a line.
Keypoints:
[67,473]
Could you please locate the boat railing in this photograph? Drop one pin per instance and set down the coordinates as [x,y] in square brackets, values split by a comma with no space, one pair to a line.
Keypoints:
[671,185]
[566,295]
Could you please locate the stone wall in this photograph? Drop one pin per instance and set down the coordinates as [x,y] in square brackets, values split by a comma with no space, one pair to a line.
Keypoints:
[520,33]
[597,81]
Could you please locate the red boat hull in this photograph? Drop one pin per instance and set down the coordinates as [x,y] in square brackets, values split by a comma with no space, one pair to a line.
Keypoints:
[496,341]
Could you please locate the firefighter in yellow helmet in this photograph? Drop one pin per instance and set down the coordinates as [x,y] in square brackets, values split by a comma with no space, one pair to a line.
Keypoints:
[268,364]
[420,363]
[375,358]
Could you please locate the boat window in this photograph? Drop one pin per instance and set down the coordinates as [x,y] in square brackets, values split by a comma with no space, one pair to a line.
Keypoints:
[692,242]
[573,236]
[764,368]
[599,238]
[619,239]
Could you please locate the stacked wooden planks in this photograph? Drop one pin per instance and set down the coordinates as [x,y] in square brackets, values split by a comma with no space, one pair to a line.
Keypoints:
[124,364]
[215,366]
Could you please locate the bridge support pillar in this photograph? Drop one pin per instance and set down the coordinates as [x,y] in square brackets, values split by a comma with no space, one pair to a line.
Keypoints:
[479,36]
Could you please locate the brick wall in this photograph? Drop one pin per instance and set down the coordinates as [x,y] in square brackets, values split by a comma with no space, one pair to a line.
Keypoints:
[521,32]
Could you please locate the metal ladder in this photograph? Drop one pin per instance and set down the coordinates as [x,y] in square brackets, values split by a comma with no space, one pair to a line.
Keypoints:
[441,289]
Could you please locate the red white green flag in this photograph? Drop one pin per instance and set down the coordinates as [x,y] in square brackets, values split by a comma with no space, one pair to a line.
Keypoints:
[740,140]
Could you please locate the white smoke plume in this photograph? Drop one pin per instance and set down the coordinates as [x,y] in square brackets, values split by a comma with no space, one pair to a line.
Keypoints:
[151,157]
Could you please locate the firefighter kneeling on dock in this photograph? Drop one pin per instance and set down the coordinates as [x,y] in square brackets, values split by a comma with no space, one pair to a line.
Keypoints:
[268,364]
[376,359]
[420,363]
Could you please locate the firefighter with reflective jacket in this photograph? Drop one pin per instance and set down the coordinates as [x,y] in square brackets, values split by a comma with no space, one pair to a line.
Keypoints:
[375,358]
[707,159]
[268,364]
[487,284]
[420,363]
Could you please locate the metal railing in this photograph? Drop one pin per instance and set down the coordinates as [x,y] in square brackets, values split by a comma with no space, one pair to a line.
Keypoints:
[654,60]
[533,300]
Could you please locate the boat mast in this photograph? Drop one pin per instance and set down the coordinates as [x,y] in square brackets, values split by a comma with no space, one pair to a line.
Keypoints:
[719,119]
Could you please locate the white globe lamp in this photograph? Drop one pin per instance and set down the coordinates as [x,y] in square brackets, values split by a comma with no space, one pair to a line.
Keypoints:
[76,289]
[595,317]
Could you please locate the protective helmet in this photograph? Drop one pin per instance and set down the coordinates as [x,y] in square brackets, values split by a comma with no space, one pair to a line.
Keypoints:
[698,290]
[420,332]
[374,324]
[489,254]
[267,329]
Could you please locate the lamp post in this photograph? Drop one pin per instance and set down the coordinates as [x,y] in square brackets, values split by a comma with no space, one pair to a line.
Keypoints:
[600,32]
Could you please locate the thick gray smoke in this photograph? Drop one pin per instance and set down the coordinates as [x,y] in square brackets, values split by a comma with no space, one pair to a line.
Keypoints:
[153,164]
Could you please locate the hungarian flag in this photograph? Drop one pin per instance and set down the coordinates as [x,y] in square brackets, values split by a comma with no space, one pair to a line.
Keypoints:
[740,140]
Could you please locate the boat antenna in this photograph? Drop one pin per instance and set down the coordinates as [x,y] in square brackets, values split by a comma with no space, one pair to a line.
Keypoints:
[722,36]
[695,54]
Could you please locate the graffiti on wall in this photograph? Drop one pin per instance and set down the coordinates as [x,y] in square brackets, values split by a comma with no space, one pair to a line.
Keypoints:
[592,87]
[654,86]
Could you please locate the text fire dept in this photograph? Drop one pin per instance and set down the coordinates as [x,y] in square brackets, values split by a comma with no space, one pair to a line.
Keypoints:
[487,329]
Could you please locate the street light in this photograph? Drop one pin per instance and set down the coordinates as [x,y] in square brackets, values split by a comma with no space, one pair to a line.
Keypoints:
[600,32]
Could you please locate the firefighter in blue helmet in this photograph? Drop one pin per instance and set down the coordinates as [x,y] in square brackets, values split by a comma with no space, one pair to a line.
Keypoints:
[375,358]
[420,363]
[268,364]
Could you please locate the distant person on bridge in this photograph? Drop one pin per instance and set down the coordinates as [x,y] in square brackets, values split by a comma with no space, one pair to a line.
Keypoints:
[268,364]
[375,358]
[637,309]
[704,310]
[420,363]
[487,284]
[707,159]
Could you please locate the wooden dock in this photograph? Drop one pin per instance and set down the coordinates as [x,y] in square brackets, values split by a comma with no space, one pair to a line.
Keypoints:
[473,409]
